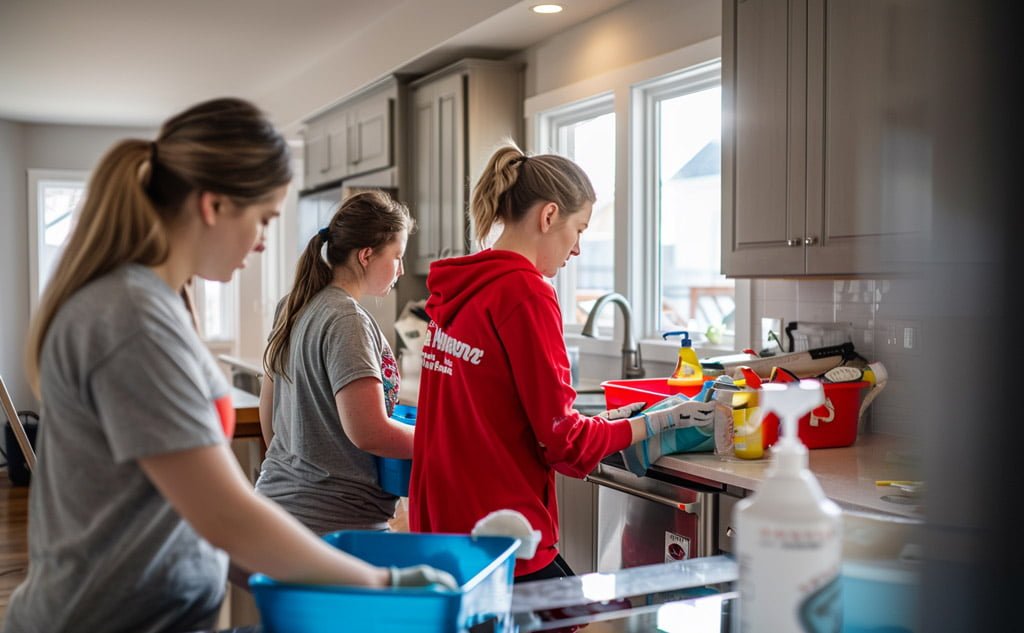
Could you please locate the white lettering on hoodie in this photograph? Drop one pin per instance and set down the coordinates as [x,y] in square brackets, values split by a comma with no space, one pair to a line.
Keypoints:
[437,339]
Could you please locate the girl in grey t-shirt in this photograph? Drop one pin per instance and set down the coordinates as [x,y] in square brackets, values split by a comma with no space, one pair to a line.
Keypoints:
[332,380]
[135,492]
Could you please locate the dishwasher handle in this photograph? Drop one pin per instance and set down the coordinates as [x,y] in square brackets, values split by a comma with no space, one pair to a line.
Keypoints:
[692,508]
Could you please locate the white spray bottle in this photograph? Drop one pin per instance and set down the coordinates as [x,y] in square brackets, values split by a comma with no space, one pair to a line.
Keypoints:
[788,534]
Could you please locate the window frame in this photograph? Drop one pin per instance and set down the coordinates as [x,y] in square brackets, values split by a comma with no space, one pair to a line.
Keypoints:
[635,208]
[646,97]
[550,123]
[36,178]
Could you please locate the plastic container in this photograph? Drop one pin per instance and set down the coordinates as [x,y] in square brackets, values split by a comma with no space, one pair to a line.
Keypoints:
[483,567]
[393,474]
[650,391]
[832,425]
[688,372]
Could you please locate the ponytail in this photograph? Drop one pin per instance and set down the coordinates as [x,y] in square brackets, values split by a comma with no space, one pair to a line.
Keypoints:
[117,224]
[312,274]
[513,182]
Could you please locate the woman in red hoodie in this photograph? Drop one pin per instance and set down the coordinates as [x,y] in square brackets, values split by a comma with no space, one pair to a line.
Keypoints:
[495,417]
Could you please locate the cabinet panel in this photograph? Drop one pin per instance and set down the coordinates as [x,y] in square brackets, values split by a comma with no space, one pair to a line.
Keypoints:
[452,162]
[763,148]
[825,150]
[337,134]
[370,147]
[869,151]
[425,207]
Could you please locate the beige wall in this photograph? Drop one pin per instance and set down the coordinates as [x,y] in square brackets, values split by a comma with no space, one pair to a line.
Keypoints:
[626,35]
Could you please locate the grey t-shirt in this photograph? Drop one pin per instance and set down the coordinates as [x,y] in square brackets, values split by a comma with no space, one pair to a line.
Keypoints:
[124,376]
[312,468]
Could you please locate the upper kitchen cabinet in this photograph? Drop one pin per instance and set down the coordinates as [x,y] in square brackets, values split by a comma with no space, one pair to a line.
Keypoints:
[353,137]
[825,151]
[458,116]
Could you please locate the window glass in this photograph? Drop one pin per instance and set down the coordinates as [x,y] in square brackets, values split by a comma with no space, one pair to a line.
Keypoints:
[590,142]
[693,294]
[58,200]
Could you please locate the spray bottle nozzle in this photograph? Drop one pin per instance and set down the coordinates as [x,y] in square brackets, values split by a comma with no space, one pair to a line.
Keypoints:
[790,401]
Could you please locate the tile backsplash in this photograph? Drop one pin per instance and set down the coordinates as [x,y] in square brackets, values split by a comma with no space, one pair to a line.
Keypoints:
[888,320]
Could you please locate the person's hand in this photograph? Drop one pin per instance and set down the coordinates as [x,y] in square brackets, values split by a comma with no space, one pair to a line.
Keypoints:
[422,576]
[679,414]
[626,411]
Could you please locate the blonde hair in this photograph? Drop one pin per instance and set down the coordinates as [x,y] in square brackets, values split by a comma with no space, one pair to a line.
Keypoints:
[371,219]
[512,182]
[225,146]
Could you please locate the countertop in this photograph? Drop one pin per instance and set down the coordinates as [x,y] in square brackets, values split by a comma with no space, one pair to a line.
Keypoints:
[847,475]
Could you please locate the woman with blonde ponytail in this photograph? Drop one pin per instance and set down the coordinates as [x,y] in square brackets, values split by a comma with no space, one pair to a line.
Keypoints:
[331,380]
[495,417]
[135,488]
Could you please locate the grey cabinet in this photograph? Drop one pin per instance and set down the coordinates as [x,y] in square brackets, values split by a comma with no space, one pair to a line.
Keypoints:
[577,523]
[351,138]
[825,151]
[458,115]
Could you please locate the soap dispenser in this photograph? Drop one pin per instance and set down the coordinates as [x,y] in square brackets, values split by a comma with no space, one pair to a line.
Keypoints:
[688,372]
[788,534]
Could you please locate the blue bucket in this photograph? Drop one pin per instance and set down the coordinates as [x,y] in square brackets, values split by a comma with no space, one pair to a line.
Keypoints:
[393,474]
[483,567]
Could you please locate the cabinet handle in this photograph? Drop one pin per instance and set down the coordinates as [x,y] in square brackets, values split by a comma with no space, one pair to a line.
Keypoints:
[810,240]
[794,242]
[692,508]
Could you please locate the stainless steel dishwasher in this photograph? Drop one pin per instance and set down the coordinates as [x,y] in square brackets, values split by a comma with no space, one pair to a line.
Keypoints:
[657,518]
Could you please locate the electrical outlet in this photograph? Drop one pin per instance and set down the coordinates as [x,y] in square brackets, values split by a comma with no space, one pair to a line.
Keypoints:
[771,334]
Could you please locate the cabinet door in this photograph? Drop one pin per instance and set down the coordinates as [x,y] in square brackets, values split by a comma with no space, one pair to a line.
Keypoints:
[763,72]
[868,149]
[370,135]
[337,134]
[439,170]
[424,177]
[451,158]
[317,158]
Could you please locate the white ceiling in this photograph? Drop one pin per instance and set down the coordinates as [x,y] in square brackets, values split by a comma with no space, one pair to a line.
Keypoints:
[135,62]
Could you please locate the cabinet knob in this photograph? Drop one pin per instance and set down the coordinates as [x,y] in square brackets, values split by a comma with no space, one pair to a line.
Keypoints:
[810,240]
[794,242]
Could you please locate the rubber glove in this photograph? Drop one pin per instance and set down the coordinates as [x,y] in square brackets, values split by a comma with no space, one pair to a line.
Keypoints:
[677,412]
[422,576]
[626,411]
[671,413]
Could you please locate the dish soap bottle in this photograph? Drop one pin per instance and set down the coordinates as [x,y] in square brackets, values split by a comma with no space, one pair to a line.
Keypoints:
[788,534]
[688,372]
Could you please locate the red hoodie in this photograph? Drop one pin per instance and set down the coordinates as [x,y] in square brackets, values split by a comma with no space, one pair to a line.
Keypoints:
[495,417]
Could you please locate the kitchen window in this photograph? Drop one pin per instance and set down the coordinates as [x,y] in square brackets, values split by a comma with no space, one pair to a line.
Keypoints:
[680,118]
[585,132]
[54,196]
[662,162]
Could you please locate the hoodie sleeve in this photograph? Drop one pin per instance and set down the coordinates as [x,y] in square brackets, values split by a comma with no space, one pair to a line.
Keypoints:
[571,443]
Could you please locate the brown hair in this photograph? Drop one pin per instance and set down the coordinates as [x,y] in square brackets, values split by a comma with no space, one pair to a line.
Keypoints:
[370,219]
[512,182]
[225,146]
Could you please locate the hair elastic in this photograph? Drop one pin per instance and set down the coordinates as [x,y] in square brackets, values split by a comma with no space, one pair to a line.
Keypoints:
[323,235]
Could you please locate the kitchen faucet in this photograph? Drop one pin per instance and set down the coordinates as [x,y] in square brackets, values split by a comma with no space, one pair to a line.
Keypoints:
[632,365]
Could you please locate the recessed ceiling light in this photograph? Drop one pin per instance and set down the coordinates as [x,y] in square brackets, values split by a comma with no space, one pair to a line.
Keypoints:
[547,8]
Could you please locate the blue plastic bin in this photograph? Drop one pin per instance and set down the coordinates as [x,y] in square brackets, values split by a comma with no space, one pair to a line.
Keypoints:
[393,474]
[483,567]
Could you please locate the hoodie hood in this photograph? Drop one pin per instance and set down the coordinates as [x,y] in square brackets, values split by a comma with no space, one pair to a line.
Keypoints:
[454,281]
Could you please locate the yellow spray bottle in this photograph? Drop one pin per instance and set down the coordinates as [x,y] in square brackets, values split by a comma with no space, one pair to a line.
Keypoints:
[688,372]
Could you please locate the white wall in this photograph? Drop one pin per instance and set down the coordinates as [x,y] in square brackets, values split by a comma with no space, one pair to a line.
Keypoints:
[24,147]
[13,262]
